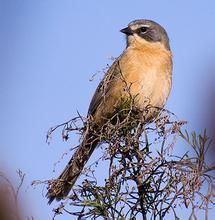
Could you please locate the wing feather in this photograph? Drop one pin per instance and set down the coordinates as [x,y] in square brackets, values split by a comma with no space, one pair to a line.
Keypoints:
[104,86]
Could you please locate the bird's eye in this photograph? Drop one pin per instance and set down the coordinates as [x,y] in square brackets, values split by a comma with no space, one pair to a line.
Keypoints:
[143,30]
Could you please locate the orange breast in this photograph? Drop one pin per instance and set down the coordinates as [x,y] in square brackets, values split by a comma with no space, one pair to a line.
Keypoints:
[148,71]
[144,73]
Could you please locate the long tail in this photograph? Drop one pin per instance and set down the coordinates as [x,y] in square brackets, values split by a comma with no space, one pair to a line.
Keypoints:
[61,187]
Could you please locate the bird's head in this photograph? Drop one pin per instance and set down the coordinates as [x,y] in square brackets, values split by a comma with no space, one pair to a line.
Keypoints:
[145,31]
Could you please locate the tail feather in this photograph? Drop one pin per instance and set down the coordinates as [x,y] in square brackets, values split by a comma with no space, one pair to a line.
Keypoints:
[61,187]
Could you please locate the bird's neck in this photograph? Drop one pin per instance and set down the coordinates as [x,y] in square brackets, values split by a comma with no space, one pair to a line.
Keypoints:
[145,46]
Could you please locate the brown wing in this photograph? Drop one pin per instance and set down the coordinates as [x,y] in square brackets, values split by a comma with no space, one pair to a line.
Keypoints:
[104,86]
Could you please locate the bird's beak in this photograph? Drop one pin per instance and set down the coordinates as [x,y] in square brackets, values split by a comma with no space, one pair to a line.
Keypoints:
[127,31]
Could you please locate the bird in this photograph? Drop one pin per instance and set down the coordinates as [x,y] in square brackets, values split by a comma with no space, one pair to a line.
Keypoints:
[144,72]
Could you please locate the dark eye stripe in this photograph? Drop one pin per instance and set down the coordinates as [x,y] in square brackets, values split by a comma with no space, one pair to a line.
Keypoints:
[143,29]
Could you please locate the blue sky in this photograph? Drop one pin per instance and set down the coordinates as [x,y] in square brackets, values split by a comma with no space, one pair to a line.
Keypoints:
[50,49]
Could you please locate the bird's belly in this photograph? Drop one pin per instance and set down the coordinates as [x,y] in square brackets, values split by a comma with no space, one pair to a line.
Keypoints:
[149,91]
[148,77]
[152,90]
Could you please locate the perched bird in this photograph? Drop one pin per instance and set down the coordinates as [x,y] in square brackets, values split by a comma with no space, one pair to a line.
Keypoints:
[144,72]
